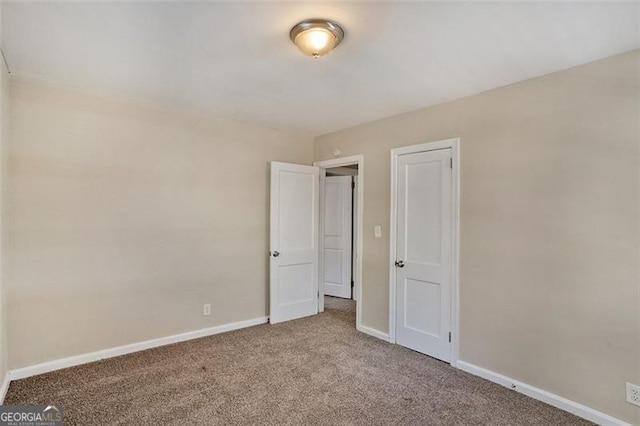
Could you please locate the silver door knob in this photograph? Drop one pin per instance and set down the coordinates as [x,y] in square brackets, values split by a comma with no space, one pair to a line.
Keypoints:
[400,263]
[276,253]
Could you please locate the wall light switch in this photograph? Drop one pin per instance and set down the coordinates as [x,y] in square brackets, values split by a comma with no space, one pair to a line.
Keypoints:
[377,231]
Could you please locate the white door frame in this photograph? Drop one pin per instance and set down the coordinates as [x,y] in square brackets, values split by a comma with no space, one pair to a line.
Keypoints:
[323,165]
[355,233]
[455,235]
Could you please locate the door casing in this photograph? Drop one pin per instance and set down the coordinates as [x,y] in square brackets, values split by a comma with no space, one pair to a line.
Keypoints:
[455,236]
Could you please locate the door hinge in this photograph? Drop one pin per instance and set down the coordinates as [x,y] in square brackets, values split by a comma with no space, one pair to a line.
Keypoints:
[353,185]
[352,284]
[451,163]
[449,337]
[318,294]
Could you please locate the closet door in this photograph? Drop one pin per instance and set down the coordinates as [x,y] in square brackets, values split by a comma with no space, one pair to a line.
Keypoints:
[423,251]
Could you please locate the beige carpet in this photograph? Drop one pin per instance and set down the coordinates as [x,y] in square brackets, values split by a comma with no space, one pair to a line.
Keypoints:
[315,370]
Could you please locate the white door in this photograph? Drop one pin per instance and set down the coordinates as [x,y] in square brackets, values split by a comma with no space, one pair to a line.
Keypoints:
[337,236]
[424,242]
[294,241]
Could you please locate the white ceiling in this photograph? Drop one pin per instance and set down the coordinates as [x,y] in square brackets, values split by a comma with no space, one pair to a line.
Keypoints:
[235,59]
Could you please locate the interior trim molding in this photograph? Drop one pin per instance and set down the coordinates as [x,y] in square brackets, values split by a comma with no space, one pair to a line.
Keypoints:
[5,387]
[542,395]
[373,332]
[45,367]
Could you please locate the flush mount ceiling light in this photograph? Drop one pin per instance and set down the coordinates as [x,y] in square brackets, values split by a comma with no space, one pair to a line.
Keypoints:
[316,37]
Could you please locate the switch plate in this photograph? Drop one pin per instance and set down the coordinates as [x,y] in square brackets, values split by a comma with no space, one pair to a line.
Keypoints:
[377,231]
[206,309]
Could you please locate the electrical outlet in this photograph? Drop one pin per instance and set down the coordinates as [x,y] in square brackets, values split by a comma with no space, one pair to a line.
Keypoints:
[206,309]
[633,394]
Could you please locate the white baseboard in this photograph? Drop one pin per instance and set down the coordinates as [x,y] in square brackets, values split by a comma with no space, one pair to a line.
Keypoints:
[542,395]
[4,388]
[373,332]
[45,367]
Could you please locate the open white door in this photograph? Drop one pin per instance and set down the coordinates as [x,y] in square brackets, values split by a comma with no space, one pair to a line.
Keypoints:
[337,236]
[423,250]
[294,241]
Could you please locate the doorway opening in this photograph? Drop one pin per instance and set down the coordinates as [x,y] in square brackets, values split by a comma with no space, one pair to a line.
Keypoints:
[340,235]
[340,251]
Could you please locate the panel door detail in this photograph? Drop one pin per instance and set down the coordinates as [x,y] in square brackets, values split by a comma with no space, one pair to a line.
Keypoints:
[337,236]
[423,251]
[293,260]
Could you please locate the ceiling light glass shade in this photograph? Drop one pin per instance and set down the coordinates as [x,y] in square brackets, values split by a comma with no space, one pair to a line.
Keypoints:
[316,37]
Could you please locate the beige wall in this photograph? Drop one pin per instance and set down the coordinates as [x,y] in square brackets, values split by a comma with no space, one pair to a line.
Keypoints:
[124,219]
[549,285]
[4,138]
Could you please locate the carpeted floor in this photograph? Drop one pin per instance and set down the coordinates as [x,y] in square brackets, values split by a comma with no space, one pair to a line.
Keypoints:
[316,370]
